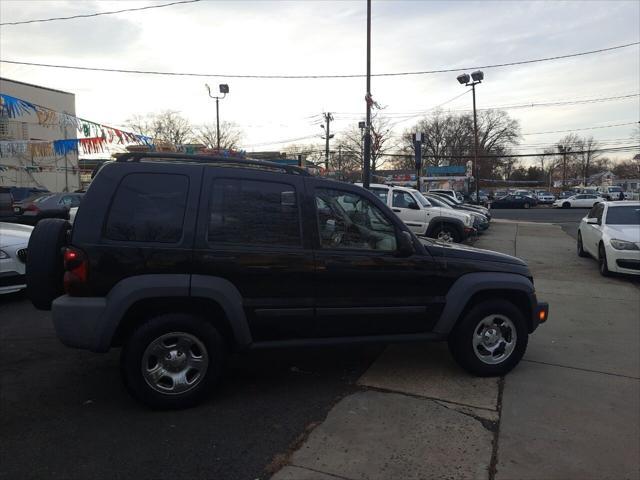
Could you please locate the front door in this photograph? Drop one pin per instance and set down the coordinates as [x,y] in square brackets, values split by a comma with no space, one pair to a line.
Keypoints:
[592,233]
[410,211]
[363,286]
[251,235]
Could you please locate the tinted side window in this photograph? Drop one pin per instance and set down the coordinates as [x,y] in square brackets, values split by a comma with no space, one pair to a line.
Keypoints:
[253,212]
[148,207]
[381,193]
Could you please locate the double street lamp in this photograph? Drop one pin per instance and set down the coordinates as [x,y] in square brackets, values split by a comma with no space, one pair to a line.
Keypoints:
[475,79]
[224,89]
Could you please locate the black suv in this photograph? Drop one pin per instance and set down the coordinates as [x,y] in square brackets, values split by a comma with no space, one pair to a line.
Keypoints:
[181,259]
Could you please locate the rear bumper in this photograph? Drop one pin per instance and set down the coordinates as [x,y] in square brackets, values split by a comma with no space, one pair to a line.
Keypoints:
[78,322]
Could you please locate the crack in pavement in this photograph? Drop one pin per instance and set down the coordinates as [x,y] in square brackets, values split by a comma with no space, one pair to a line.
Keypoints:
[580,369]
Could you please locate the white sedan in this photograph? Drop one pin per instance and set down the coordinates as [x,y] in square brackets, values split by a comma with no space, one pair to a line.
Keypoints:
[583,200]
[14,239]
[610,233]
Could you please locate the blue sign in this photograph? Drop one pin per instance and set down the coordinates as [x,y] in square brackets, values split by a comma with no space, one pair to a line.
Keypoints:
[449,170]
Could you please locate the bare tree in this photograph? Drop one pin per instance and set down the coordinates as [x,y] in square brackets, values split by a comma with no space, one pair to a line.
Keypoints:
[351,142]
[448,139]
[230,135]
[586,156]
[167,126]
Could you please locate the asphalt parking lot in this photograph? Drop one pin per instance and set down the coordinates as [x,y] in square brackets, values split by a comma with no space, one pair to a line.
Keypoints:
[64,413]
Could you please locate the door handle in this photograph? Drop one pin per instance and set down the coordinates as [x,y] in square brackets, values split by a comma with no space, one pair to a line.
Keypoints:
[396,210]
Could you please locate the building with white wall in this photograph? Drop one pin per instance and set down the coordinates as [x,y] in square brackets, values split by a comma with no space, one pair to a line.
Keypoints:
[56,173]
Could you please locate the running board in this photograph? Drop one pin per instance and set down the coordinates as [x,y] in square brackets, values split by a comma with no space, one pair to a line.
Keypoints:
[325,342]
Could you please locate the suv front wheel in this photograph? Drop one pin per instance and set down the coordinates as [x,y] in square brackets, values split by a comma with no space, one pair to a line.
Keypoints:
[172,361]
[491,338]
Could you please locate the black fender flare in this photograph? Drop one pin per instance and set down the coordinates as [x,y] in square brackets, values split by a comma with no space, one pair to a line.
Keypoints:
[140,287]
[435,221]
[468,285]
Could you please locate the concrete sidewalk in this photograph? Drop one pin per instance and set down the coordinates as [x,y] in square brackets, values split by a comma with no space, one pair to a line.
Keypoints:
[570,410]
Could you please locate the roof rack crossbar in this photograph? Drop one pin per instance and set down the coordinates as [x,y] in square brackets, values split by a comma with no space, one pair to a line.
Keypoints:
[185,157]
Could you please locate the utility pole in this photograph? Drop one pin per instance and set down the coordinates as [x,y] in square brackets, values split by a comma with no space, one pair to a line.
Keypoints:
[366,173]
[327,135]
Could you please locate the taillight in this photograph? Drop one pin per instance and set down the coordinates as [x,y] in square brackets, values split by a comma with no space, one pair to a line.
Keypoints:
[76,269]
[32,207]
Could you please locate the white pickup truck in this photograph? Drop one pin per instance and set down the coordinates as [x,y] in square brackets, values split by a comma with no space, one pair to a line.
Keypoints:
[422,217]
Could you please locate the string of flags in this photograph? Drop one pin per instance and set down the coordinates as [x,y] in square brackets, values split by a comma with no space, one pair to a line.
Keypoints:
[97,135]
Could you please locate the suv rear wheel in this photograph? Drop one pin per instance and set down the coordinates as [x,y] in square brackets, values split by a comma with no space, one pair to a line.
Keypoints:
[491,338]
[172,361]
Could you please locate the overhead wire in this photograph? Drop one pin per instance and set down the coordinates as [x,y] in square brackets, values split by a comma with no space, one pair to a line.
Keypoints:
[97,14]
[319,76]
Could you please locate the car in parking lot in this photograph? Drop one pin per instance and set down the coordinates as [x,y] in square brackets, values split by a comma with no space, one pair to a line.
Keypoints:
[545,197]
[514,201]
[611,192]
[582,200]
[14,239]
[182,259]
[433,219]
[480,221]
[47,205]
[610,233]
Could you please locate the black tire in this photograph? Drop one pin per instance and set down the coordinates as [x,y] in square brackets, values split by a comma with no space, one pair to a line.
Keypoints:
[566,205]
[580,247]
[133,352]
[461,338]
[447,230]
[45,269]
[526,205]
[602,262]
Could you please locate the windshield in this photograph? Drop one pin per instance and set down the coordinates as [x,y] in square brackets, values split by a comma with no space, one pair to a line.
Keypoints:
[437,202]
[626,215]
[615,189]
[423,201]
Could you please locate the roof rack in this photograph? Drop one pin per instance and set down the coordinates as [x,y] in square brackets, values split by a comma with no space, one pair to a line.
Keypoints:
[185,157]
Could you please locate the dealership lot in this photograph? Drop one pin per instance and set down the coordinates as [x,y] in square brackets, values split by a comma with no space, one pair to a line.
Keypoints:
[570,410]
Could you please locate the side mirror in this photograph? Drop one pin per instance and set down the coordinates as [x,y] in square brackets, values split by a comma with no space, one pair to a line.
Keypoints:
[405,244]
[592,221]
[414,206]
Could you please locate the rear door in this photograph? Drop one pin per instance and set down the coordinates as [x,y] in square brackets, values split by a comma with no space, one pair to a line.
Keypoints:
[250,233]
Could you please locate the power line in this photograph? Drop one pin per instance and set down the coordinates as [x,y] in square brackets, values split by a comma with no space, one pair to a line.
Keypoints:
[359,75]
[97,14]
[582,129]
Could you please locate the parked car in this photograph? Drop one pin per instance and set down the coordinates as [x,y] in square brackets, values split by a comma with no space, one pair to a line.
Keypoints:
[514,201]
[610,233]
[480,221]
[183,259]
[566,194]
[545,197]
[583,200]
[13,256]
[7,212]
[466,206]
[47,205]
[21,193]
[424,217]
[610,193]
[451,193]
[484,197]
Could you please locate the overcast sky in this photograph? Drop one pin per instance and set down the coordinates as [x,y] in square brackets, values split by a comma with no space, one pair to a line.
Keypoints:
[324,37]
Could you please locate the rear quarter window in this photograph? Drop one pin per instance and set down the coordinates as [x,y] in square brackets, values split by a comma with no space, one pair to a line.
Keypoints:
[148,207]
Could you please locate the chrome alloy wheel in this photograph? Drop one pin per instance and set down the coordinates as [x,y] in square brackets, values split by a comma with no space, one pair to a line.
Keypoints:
[174,363]
[494,339]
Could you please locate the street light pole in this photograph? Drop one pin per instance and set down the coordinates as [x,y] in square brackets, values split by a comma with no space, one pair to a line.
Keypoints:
[224,89]
[564,150]
[464,79]
[366,173]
